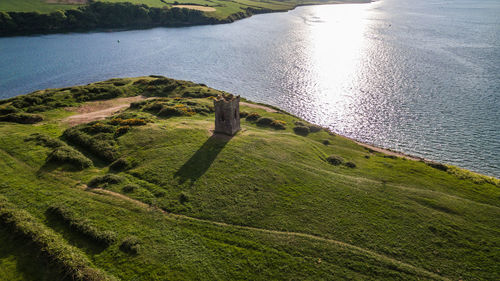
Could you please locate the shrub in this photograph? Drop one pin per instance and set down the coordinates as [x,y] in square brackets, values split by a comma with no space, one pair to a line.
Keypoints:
[128,122]
[438,166]
[104,181]
[102,145]
[315,128]
[183,198]
[120,165]
[264,121]
[130,188]
[326,142]
[350,165]
[99,127]
[278,124]
[335,160]
[22,118]
[253,116]
[44,140]
[68,155]
[130,245]
[8,109]
[82,226]
[300,123]
[243,114]
[177,110]
[301,130]
[122,130]
[138,104]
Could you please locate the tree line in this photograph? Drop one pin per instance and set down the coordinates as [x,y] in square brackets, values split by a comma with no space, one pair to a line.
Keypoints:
[101,15]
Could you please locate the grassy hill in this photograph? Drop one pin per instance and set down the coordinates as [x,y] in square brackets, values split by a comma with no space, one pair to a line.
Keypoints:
[150,194]
[223,8]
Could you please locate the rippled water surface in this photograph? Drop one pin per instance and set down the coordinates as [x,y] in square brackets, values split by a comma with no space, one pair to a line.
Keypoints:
[422,77]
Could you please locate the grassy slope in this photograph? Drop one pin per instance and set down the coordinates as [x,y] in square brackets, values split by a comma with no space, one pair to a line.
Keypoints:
[223,8]
[390,213]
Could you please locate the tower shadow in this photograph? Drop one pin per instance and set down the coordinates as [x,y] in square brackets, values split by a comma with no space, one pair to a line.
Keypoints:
[199,163]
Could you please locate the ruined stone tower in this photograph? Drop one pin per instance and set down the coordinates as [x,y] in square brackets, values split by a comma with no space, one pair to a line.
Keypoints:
[227,114]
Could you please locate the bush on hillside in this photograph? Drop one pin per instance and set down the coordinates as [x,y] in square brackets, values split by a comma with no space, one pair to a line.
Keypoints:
[130,245]
[252,116]
[104,181]
[438,166]
[101,145]
[314,128]
[326,142]
[8,110]
[243,114]
[22,118]
[177,110]
[335,160]
[130,188]
[278,124]
[301,130]
[120,165]
[122,130]
[264,121]
[45,140]
[68,155]
[350,165]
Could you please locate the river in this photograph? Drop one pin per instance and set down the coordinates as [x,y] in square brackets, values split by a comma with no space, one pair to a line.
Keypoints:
[420,77]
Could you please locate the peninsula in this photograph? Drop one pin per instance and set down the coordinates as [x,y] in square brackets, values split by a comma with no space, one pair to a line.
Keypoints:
[125,180]
[18,17]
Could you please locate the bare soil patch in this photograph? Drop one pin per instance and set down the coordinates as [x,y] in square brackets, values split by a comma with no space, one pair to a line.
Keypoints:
[196,7]
[98,110]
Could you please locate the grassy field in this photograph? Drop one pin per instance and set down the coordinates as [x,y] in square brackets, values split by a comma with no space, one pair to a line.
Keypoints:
[223,8]
[172,201]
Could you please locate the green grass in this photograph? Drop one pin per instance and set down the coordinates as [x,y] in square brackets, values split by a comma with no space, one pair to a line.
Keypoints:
[262,205]
[223,8]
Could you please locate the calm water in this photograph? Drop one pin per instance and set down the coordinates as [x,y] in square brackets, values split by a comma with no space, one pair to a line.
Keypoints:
[422,77]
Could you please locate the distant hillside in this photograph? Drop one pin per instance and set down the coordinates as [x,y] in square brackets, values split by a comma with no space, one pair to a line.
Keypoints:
[123,180]
[19,17]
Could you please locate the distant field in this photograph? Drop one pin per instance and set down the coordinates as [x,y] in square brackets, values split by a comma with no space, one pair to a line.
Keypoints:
[223,8]
[32,6]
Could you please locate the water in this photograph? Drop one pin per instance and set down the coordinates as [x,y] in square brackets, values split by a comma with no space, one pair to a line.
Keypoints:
[421,77]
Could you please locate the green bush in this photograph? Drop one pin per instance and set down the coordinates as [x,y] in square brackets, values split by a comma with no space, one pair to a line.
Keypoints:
[315,128]
[130,245]
[326,142]
[301,130]
[22,118]
[82,226]
[104,181]
[120,165]
[253,116]
[243,114]
[44,140]
[102,145]
[8,110]
[130,188]
[438,166]
[350,165]
[68,155]
[335,160]
[264,121]
[122,130]
[278,124]
[98,127]
[177,110]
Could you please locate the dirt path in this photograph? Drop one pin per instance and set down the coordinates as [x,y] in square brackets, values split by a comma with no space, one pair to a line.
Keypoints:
[98,110]
[268,109]
[411,268]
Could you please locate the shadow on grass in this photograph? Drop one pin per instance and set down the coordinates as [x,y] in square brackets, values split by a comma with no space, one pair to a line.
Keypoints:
[73,237]
[21,260]
[199,163]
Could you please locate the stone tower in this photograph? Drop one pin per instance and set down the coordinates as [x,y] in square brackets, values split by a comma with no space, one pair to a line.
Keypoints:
[227,114]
